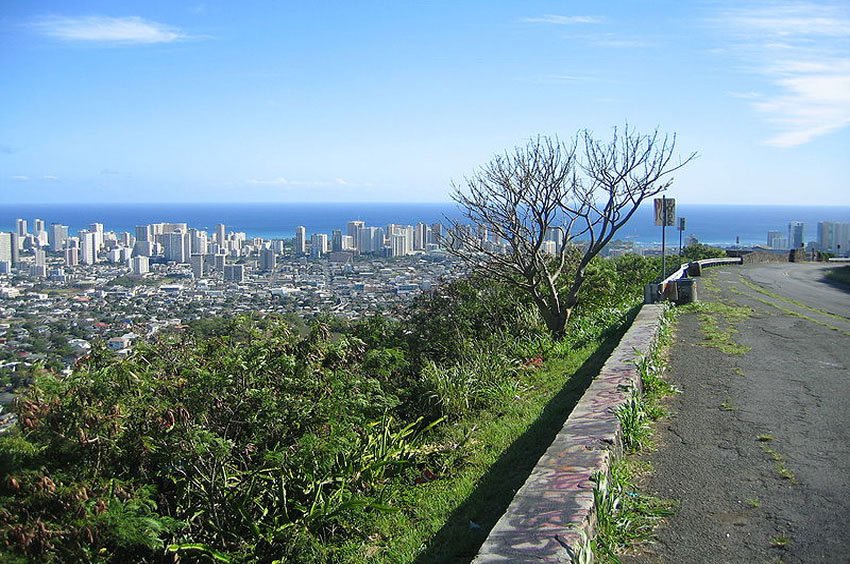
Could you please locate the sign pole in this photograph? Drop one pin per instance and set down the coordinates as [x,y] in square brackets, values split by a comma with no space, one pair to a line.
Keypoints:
[663,237]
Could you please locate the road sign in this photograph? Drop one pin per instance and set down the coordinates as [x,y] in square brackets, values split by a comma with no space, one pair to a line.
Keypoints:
[681,224]
[665,212]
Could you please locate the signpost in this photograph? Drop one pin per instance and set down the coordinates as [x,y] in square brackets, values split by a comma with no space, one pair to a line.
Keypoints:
[681,230]
[665,216]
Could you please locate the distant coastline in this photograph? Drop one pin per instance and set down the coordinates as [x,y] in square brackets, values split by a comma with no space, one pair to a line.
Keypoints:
[713,224]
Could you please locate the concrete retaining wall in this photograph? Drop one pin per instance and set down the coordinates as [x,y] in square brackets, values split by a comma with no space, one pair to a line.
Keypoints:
[552,514]
[762,257]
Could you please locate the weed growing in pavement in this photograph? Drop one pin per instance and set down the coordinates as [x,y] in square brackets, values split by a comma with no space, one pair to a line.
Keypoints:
[784,472]
[764,438]
[634,423]
[727,405]
[774,295]
[780,541]
[739,371]
[753,502]
[717,322]
[624,515]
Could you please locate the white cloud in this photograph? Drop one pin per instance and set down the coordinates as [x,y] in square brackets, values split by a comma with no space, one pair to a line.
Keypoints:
[103,29]
[280,181]
[564,20]
[19,178]
[803,49]
[50,178]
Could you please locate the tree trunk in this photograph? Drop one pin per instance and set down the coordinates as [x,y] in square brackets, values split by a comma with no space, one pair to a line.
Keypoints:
[556,320]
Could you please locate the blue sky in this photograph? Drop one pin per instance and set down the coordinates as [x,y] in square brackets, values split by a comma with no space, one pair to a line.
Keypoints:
[391,101]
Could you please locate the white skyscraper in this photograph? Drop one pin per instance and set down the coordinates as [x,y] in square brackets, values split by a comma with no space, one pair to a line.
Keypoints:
[58,236]
[8,247]
[140,265]
[88,247]
[97,229]
[300,241]
[177,246]
[220,234]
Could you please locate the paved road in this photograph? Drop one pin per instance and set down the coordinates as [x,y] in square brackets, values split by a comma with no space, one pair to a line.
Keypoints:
[785,498]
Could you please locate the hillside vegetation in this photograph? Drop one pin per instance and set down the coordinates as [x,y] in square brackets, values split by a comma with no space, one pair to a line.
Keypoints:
[250,440]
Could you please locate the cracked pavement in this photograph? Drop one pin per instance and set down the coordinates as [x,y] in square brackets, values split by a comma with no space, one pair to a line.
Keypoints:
[786,497]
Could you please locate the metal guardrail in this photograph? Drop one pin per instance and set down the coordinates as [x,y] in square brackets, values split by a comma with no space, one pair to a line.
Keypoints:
[657,292]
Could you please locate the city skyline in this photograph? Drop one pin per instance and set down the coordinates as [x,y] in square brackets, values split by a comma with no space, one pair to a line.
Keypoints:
[153,102]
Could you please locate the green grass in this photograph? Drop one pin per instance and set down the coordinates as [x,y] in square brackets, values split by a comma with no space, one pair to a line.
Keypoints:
[779,462]
[780,541]
[801,305]
[753,502]
[764,438]
[799,315]
[500,448]
[717,322]
[727,405]
[625,516]
[841,274]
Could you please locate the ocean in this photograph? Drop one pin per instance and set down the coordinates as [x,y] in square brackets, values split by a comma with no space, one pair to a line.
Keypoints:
[712,224]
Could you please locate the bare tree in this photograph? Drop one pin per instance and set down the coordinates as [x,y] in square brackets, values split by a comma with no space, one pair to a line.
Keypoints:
[537,216]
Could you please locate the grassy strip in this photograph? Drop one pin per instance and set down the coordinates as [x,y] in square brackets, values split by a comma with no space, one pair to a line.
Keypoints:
[799,315]
[454,513]
[774,295]
[625,515]
[717,323]
[841,275]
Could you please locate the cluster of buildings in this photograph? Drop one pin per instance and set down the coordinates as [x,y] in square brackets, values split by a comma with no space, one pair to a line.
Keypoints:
[832,237]
[59,293]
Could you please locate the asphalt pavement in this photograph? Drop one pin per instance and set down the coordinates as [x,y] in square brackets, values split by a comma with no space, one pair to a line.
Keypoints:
[757,451]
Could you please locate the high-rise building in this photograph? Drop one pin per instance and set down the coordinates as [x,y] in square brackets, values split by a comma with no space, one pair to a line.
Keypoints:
[318,245]
[143,233]
[198,241]
[370,240]
[796,234]
[420,237]
[336,240]
[197,261]
[97,229]
[436,234]
[220,234]
[176,246]
[352,229]
[220,261]
[21,225]
[300,241]
[268,260]
[234,272]
[834,237]
[776,240]
[72,256]
[40,257]
[8,247]
[58,236]
[37,225]
[88,247]
[140,265]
